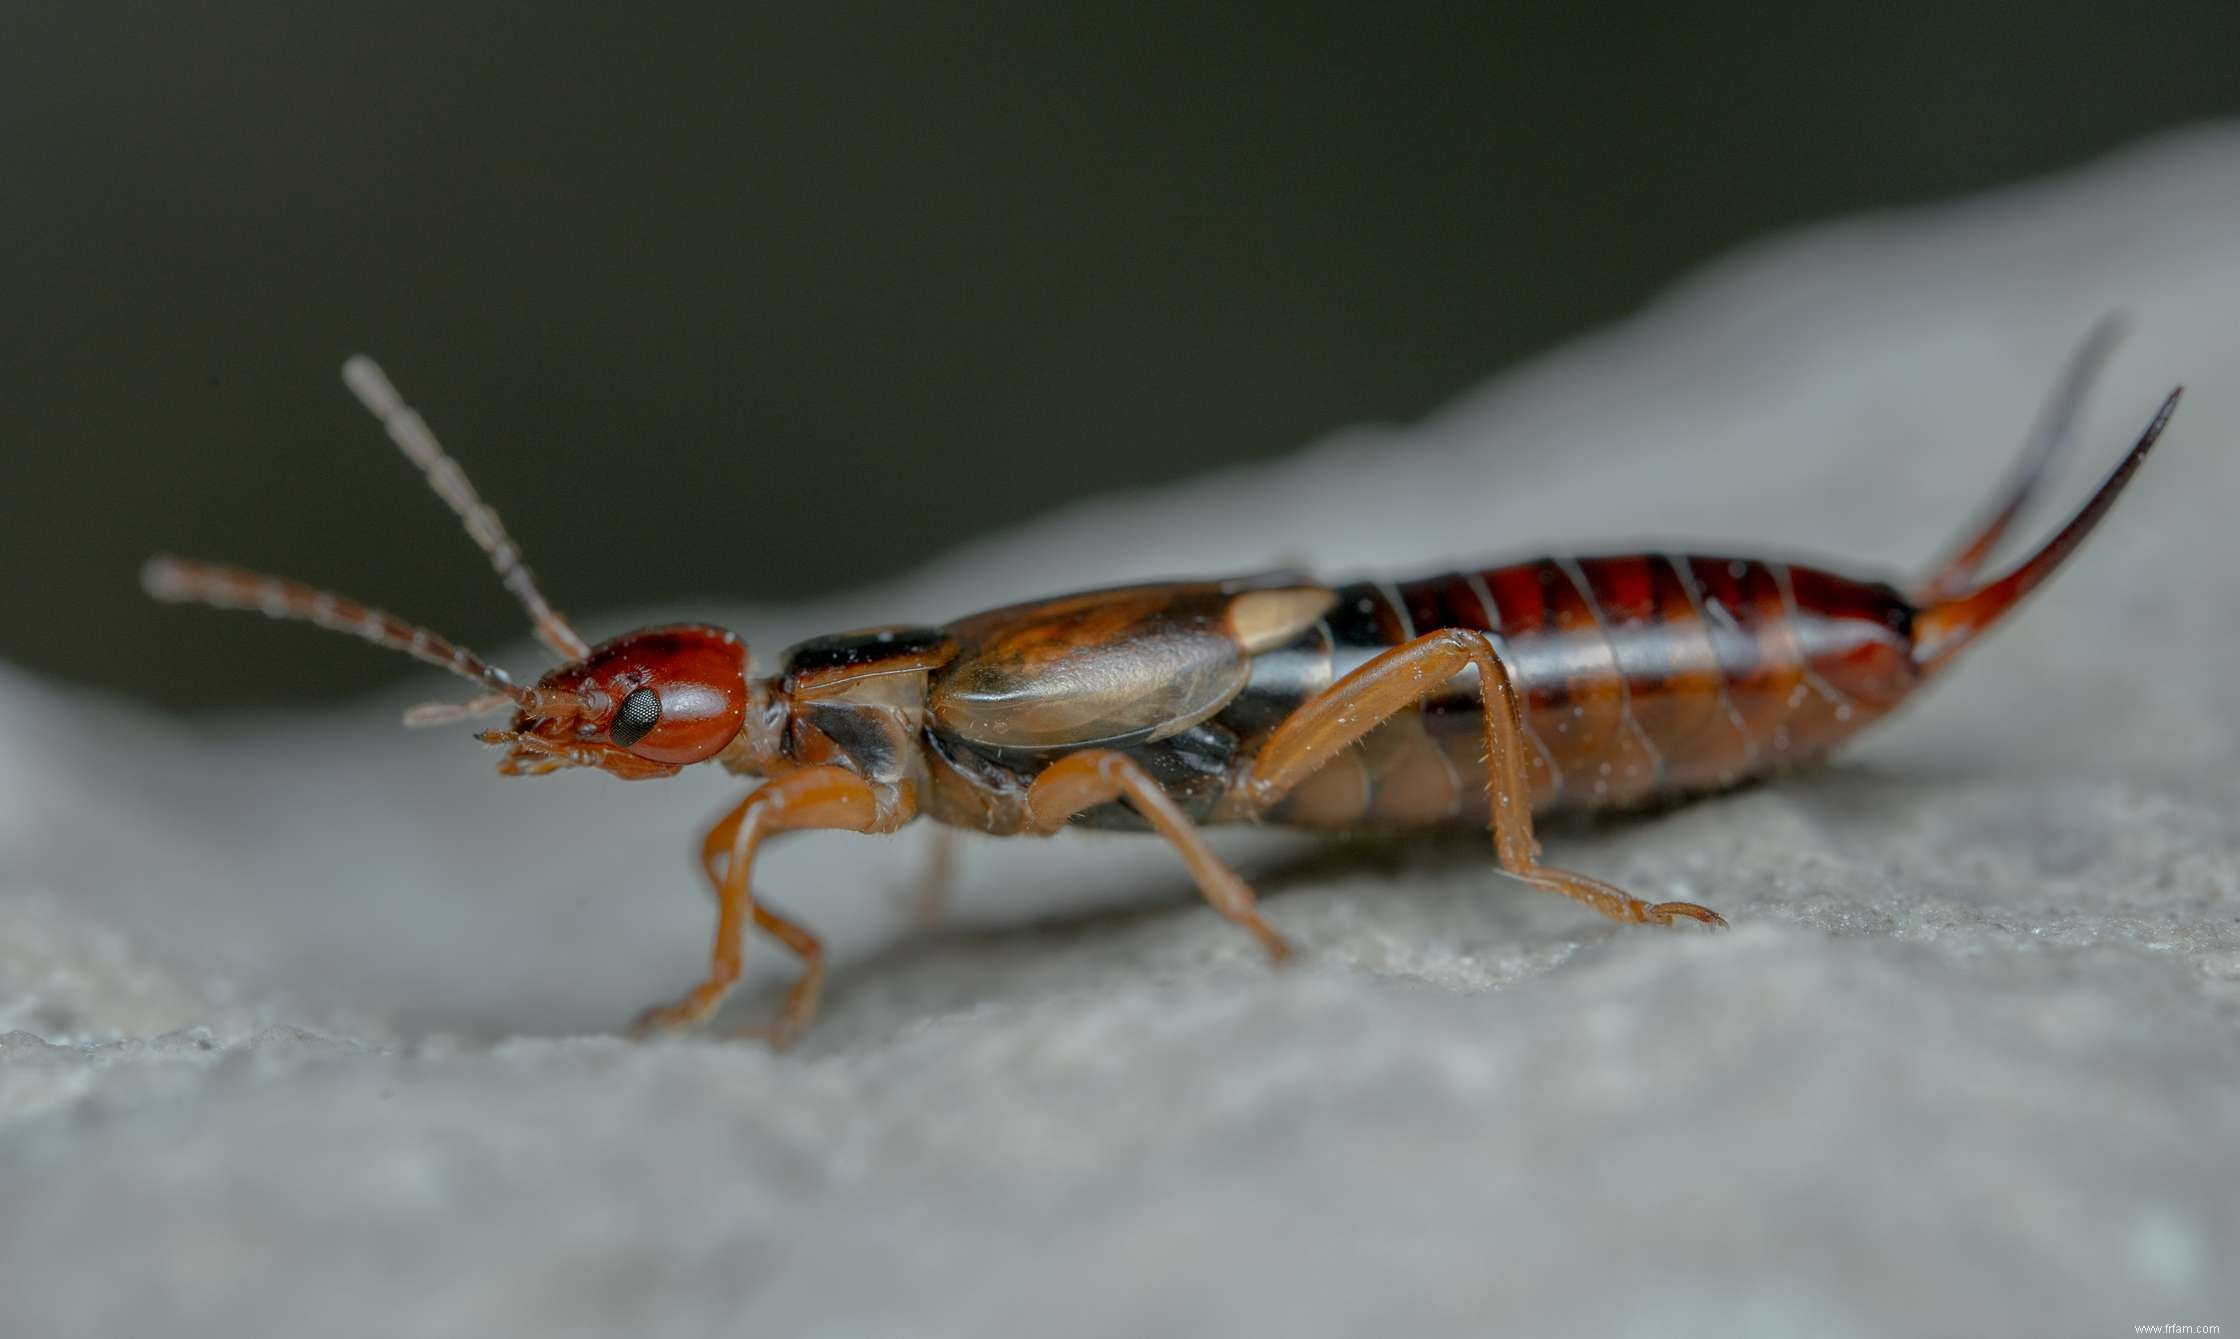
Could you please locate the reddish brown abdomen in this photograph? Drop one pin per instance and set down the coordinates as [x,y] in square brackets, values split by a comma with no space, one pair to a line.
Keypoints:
[1645,676]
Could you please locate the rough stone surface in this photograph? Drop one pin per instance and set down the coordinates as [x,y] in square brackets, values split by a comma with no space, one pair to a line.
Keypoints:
[301,1017]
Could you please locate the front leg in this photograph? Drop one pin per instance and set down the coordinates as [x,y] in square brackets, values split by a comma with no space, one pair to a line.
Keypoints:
[815,797]
[1395,681]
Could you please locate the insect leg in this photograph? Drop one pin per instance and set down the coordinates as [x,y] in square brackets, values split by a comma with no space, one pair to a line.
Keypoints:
[801,998]
[814,797]
[937,880]
[1398,679]
[1084,780]
[800,1006]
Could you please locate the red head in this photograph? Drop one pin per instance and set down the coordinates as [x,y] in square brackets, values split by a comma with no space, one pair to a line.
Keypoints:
[641,705]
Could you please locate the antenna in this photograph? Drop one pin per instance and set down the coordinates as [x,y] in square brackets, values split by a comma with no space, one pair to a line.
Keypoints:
[184,581]
[410,432]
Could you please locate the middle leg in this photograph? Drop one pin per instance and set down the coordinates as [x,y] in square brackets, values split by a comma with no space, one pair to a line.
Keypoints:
[1092,777]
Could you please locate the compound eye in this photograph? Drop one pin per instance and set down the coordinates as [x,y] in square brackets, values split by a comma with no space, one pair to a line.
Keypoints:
[639,713]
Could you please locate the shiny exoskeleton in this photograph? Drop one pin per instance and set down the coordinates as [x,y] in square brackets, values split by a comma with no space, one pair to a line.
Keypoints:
[1479,696]
[1643,677]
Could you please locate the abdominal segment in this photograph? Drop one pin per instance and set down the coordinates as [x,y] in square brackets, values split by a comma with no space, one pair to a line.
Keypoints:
[1644,678]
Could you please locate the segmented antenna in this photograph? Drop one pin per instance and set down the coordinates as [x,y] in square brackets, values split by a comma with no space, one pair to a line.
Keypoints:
[183,581]
[410,432]
[429,714]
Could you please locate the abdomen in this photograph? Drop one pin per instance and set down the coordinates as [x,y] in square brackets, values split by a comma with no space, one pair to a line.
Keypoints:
[1645,677]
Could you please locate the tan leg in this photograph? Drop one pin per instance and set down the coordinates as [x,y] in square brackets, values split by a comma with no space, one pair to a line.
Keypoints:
[1398,679]
[815,797]
[936,881]
[800,1006]
[1087,779]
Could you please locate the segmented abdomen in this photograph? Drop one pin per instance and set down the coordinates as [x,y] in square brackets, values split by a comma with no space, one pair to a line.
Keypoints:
[1644,676]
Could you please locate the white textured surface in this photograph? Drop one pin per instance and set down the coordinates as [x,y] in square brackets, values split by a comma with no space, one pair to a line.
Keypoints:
[294,999]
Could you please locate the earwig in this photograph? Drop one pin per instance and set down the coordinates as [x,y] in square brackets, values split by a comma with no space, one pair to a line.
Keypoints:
[1483,696]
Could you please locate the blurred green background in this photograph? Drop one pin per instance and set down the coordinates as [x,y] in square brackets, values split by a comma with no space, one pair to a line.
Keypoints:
[762,302]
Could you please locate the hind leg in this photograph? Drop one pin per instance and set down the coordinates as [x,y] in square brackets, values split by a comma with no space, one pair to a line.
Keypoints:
[1395,681]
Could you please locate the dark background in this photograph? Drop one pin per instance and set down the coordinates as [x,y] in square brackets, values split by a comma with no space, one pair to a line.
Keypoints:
[762,302]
